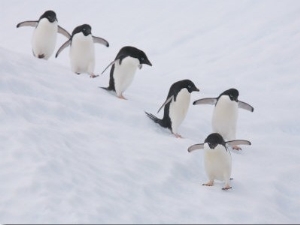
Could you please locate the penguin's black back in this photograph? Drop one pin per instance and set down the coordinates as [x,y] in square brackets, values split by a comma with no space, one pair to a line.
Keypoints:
[166,120]
[111,85]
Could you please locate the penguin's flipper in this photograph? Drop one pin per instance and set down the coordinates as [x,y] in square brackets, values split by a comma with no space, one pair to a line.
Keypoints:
[63,32]
[66,44]
[196,147]
[121,57]
[100,41]
[238,142]
[166,102]
[109,65]
[210,101]
[246,106]
[27,24]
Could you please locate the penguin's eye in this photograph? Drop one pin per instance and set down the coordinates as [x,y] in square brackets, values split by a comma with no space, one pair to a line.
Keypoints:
[189,87]
[142,58]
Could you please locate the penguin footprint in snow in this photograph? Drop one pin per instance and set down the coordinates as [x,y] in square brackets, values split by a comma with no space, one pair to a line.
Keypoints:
[175,106]
[44,34]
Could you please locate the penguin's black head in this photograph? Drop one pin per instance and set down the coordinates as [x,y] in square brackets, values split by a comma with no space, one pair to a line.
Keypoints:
[49,15]
[135,53]
[232,93]
[189,85]
[85,29]
[214,139]
[143,58]
[182,84]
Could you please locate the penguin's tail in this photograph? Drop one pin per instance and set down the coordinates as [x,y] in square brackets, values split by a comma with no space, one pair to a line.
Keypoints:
[156,120]
[107,88]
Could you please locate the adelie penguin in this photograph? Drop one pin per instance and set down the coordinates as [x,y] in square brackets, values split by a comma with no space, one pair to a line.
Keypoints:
[45,34]
[225,114]
[217,158]
[175,106]
[82,49]
[123,69]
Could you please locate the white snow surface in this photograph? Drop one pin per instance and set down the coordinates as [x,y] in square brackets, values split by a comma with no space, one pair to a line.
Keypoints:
[74,153]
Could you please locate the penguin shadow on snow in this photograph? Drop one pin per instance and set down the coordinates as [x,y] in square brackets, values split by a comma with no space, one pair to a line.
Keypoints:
[217,158]
[123,69]
[225,113]
[82,49]
[175,106]
[45,34]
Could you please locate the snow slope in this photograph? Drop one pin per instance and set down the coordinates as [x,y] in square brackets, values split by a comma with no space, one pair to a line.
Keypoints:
[74,153]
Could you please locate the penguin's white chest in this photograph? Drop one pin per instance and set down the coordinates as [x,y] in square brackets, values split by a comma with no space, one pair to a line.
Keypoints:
[124,73]
[179,108]
[225,118]
[44,38]
[217,163]
[82,54]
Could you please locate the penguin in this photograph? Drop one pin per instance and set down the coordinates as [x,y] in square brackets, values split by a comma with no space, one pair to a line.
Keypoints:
[217,158]
[225,114]
[82,50]
[45,34]
[175,106]
[123,69]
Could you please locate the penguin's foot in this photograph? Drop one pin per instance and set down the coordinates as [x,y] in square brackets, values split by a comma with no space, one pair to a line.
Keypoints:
[41,56]
[236,148]
[226,188]
[122,97]
[93,76]
[178,135]
[210,183]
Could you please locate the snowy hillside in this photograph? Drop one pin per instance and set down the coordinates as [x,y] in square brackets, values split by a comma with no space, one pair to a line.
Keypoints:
[73,153]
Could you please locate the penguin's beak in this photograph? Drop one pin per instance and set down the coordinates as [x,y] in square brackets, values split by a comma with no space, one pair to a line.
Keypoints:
[211,145]
[147,62]
[52,19]
[196,89]
[87,32]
